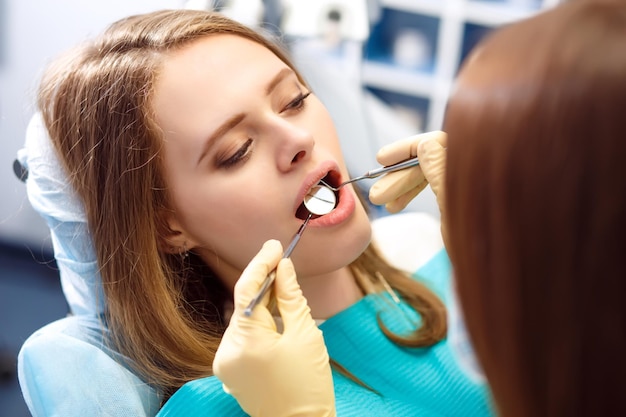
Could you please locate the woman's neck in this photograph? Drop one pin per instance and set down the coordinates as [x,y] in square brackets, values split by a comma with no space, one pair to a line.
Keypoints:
[331,293]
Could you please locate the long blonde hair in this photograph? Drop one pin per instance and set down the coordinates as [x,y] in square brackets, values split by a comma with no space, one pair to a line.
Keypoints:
[165,312]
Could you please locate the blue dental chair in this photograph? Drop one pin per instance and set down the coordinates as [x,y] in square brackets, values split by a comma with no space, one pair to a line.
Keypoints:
[67,368]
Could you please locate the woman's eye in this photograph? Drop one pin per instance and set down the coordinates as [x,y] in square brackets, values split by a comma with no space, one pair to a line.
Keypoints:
[240,155]
[298,102]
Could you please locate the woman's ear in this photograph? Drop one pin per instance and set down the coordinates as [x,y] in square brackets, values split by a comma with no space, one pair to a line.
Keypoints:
[174,240]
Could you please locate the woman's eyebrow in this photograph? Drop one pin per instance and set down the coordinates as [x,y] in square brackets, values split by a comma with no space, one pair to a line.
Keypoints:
[236,119]
[220,131]
[282,74]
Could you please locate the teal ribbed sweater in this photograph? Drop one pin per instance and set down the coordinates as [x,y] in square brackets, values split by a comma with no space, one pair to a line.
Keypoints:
[410,381]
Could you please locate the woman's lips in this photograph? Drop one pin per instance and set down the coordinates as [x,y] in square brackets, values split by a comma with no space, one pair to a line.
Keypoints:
[345,206]
[344,209]
[311,180]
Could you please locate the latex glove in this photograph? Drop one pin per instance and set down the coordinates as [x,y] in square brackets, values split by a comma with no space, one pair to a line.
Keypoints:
[396,189]
[269,373]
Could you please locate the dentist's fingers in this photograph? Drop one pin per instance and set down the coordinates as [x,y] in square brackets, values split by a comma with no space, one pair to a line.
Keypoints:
[253,276]
[396,190]
[396,184]
[397,151]
[432,152]
[401,202]
[292,305]
[404,149]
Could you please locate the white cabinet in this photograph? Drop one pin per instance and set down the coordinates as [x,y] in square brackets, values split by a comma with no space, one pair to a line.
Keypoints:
[415,49]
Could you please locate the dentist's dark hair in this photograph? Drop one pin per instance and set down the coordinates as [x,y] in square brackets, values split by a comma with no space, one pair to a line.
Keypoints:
[536,209]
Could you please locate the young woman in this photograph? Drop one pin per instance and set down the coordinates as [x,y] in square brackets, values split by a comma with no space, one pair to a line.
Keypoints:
[190,140]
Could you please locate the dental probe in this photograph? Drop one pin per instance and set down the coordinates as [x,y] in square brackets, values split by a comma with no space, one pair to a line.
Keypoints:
[272,275]
[378,172]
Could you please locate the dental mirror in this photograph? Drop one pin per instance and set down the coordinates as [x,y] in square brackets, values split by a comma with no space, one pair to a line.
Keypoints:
[320,200]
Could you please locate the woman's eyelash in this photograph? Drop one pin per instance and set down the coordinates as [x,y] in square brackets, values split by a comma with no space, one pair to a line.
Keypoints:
[243,153]
[239,156]
[298,102]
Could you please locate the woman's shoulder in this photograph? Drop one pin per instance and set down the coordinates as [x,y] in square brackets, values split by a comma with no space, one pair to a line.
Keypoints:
[408,240]
[201,397]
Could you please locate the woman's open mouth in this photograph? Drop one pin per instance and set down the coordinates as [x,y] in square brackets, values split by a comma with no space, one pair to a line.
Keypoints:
[333,179]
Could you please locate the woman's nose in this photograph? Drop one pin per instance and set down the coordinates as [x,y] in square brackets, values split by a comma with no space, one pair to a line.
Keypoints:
[294,145]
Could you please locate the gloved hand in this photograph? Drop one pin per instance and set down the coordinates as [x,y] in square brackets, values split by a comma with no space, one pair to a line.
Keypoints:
[270,373]
[396,189]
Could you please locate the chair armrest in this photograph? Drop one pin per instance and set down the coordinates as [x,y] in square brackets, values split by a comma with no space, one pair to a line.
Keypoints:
[64,369]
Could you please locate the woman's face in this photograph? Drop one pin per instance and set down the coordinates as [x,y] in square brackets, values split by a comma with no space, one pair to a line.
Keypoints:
[245,140]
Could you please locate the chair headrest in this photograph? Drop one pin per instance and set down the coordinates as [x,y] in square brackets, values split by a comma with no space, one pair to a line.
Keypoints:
[51,195]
